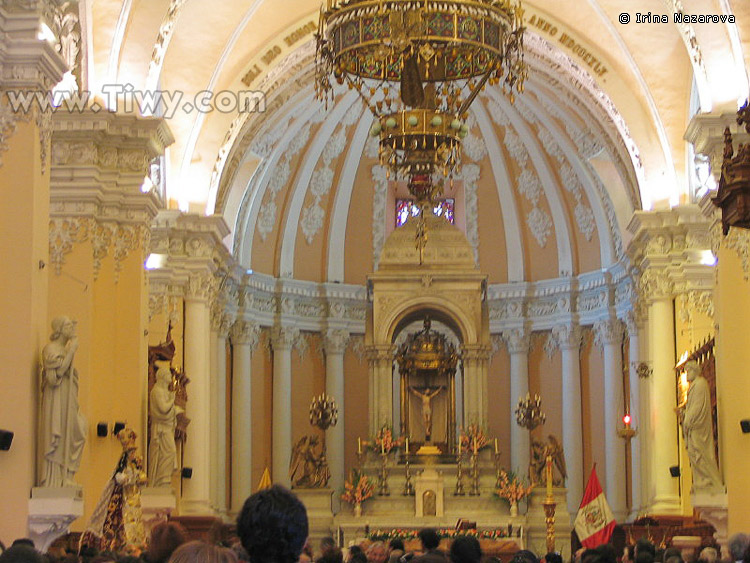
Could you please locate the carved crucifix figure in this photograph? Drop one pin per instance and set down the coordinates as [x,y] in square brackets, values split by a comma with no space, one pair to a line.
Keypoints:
[426,397]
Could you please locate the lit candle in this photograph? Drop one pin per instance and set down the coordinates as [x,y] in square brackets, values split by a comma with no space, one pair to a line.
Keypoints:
[382,446]
[549,475]
[475,445]
[497,450]
[407,446]
[359,445]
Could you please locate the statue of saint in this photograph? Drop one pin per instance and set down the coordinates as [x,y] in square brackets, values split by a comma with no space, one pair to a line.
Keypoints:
[308,468]
[697,429]
[63,427]
[426,397]
[162,451]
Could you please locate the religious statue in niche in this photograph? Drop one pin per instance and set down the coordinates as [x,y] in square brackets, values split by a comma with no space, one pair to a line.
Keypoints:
[426,396]
[63,427]
[539,452]
[168,422]
[308,467]
[117,521]
[697,430]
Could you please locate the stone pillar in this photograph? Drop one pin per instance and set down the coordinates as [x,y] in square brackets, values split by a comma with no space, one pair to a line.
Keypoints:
[517,340]
[569,341]
[244,340]
[196,491]
[634,354]
[220,325]
[475,360]
[283,340]
[380,358]
[335,345]
[609,337]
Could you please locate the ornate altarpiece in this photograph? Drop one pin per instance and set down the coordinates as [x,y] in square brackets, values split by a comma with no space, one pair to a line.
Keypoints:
[444,282]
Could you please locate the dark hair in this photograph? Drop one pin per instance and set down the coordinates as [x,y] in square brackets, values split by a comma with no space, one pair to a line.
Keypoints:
[429,538]
[358,557]
[396,543]
[331,555]
[165,538]
[525,556]
[466,549]
[553,557]
[607,553]
[21,553]
[201,552]
[355,549]
[272,526]
[645,546]
[644,557]
[327,543]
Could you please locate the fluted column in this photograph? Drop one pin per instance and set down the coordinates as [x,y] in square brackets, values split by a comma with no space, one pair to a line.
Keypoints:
[244,340]
[609,338]
[196,491]
[569,340]
[220,324]
[335,342]
[283,340]
[380,359]
[634,353]
[517,340]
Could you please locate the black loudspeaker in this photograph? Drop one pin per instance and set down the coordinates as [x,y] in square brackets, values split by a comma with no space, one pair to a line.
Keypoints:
[101,429]
[187,472]
[6,437]
[745,425]
[674,471]
[118,426]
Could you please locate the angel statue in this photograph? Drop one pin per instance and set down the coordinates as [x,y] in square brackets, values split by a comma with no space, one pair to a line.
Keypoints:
[539,453]
[308,468]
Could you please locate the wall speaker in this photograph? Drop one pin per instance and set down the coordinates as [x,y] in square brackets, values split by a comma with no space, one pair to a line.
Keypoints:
[118,426]
[674,471]
[745,425]
[102,429]
[6,437]
[187,472]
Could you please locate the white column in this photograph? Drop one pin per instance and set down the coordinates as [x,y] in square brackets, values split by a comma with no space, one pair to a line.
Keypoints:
[244,340]
[335,345]
[517,340]
[569,340]
[609,337]
[219,328]
[663,435]
[634,353]
[380,359]
[283,340]
[196,491]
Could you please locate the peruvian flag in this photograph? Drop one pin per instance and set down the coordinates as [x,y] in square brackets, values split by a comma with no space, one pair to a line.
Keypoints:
[594,523]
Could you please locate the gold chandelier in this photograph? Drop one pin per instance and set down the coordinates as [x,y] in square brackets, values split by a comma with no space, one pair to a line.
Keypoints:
[418,65]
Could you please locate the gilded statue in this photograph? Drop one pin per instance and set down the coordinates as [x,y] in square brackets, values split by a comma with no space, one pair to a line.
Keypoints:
[308,467]
[63,427]
[539,452]
[697,429]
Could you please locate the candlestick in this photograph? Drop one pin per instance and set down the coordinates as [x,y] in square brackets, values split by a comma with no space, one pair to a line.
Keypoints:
[497,451]
[549,476]
[359,445]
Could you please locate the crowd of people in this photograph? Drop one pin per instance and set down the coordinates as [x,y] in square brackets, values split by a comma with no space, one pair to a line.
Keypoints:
[272,527]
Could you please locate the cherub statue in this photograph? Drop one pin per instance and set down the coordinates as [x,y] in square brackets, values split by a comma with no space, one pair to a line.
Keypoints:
[308,468]
[539,453]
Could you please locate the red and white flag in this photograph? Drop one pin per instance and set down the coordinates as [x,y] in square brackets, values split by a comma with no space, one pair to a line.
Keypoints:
[595,522]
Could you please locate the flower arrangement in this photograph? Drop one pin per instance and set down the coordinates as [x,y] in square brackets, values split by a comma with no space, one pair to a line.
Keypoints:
[409,534]
[358,489]
[512,488]
[471,435]
[384,442]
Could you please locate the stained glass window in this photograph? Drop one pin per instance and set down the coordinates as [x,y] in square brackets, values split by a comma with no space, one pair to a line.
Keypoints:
[406,208]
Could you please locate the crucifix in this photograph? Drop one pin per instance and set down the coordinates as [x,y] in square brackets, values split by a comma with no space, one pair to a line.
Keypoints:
[426,394]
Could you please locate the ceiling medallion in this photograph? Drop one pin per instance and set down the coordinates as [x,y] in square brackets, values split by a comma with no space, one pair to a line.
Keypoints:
[418,65]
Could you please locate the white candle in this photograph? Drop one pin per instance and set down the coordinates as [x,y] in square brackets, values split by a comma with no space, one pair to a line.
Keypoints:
[359,445]
[407,445]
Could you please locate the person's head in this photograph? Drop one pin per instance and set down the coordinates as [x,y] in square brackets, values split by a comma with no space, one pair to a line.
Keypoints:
[525,556]
[466,549]
[396,544]
[357,557]
[645,546]
[333,555]
[670,553]
[553,557]
[429,538]
[272,526]
[673,559]
[21,553]
[644,557]
[327,544]
[607,553]
[737,545]
[709,555]
[165,538]
[377,553]
[200,552]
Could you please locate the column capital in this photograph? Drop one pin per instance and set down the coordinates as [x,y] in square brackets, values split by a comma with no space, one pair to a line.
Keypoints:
[245,333]
[335,341]
[567,336]
[284,338]
[517,340]
[379,353]
[221,322]
[608,331]
[200,287]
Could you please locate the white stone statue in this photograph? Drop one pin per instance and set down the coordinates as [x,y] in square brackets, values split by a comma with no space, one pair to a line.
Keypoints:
[697,429]
[426,398]
[63,427]
[162,451]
